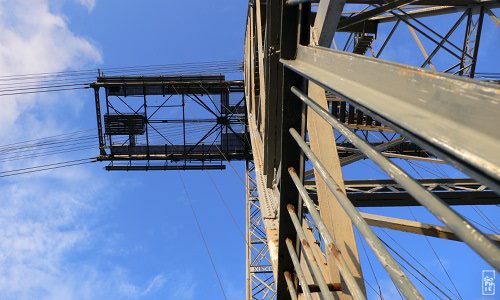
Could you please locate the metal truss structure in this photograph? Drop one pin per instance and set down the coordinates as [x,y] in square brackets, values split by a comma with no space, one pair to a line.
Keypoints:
[260,279]
[314,106]
[171,122]
[318,97]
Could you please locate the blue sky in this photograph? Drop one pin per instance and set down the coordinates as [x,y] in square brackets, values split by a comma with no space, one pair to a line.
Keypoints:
[84,233]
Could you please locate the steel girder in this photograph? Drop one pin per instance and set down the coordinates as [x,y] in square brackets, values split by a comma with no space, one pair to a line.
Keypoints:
[453,117]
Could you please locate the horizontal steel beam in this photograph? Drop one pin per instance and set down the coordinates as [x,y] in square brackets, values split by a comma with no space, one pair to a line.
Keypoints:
[456,118]
[387,193]
[392,199]
[133,86]
[427,2]
[437,11]
[165,168]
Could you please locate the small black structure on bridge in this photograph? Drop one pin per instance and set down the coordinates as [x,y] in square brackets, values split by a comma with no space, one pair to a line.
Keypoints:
[171,122]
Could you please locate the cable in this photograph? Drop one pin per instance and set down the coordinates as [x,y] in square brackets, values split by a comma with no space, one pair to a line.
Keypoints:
[371,267]
[43,91]
[47,167]
[226,206]
[43,87]
[437,256]
[202,236]
[22,84]
[418,262]
[420,273]
[236,64]
[28,156]
[231,164]
[485,218]
[50,137]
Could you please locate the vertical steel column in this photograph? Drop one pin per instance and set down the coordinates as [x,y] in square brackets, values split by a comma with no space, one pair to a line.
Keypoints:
[479,28]
[273,82]
[294,29]
[470,48]
[184,126]
[99,121]
[107,112]
[466,42]
[147,120]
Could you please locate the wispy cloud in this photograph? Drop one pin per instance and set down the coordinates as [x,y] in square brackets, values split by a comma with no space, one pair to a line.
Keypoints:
[89,4]
[34,39]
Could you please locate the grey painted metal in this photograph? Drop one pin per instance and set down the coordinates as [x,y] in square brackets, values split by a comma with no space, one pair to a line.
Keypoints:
[462,228]
[291,287]
[456,118]
[298,269]
[327,20]
[297,2]
[388,262]
[309,254]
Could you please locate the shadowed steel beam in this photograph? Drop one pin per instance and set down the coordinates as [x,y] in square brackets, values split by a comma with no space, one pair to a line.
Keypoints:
[165,168]
[436,49]
[374,12]
[393,269]
[437,11]
[260,58]
[415,227]
[327,20]
[462,228]
[456,118]
[296,2]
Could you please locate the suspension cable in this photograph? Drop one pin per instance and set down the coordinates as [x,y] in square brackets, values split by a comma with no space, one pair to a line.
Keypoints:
[205,244]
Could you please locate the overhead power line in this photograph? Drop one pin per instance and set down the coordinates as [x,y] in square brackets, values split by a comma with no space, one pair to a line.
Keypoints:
[46,167]
[13,85]
[219,280]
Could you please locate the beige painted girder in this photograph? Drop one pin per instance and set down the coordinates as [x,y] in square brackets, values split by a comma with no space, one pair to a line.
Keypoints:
[266,197]
[322,143]
[267,200]
[415,227]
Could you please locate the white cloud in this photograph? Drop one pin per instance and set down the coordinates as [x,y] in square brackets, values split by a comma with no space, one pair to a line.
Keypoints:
[155,284]
[34,39]
[46,220]
[89,4]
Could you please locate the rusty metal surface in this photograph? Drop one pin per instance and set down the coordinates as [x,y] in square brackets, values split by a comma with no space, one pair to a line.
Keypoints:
[456,118]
